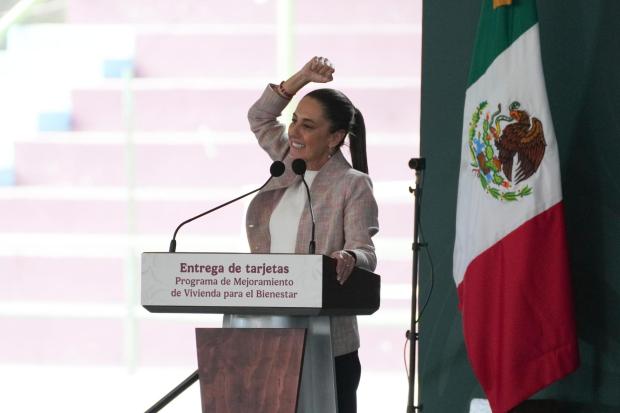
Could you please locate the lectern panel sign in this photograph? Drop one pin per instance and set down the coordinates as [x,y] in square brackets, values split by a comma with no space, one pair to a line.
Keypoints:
[231,280]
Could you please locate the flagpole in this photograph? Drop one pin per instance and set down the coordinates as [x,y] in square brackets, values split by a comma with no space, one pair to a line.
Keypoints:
[418,165]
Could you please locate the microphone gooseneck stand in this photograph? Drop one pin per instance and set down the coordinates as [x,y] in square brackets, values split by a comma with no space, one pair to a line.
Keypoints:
[299,167]
[418,165]
[276,170]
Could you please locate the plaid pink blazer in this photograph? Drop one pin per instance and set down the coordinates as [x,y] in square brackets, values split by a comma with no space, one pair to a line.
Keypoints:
[345,209]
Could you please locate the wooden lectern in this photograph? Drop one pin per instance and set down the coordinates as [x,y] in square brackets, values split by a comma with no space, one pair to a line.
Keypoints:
[274,353]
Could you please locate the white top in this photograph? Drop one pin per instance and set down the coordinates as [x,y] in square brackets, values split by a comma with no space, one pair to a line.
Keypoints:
[285,217]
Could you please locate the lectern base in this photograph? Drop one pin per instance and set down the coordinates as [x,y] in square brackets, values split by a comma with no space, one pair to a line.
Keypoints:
[318,386]
[249,369]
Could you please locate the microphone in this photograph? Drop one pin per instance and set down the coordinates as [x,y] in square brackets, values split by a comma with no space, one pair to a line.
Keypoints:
[417,164]
[299,167]
[276,170]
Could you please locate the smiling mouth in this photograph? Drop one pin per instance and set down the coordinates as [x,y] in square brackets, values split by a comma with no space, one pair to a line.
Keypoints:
[297,145]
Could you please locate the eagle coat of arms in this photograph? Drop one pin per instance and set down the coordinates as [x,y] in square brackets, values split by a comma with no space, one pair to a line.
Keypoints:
[494,145]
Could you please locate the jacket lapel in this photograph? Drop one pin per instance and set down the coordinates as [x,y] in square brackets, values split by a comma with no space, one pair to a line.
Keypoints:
[320,191]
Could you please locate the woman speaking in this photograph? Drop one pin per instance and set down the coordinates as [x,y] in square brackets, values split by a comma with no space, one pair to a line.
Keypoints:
[345,211]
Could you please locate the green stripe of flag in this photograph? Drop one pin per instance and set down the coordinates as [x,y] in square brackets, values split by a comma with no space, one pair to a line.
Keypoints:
[497,30]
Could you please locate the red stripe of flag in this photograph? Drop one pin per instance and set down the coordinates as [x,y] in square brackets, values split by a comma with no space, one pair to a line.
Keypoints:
[516,304]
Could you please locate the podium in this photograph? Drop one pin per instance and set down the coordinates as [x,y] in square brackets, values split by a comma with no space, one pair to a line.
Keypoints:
[274,352]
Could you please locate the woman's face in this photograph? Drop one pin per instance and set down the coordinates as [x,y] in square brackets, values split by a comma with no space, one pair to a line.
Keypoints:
[309,136]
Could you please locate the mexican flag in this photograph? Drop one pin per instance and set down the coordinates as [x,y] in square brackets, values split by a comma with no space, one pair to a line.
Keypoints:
[510,252]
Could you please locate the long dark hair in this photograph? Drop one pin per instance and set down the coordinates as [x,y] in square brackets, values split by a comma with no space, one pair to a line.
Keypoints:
[342,115]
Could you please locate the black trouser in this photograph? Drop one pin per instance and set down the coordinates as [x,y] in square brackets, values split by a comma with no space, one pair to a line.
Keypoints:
[348,372]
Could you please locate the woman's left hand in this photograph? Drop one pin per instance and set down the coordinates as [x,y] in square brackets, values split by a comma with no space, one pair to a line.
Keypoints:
[344,265]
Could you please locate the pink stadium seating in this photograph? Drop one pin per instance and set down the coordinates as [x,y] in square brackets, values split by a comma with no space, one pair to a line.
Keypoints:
[198,66]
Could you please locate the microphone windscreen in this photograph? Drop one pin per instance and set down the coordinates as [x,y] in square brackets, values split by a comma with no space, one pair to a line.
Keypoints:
[299,166]
[277,169]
